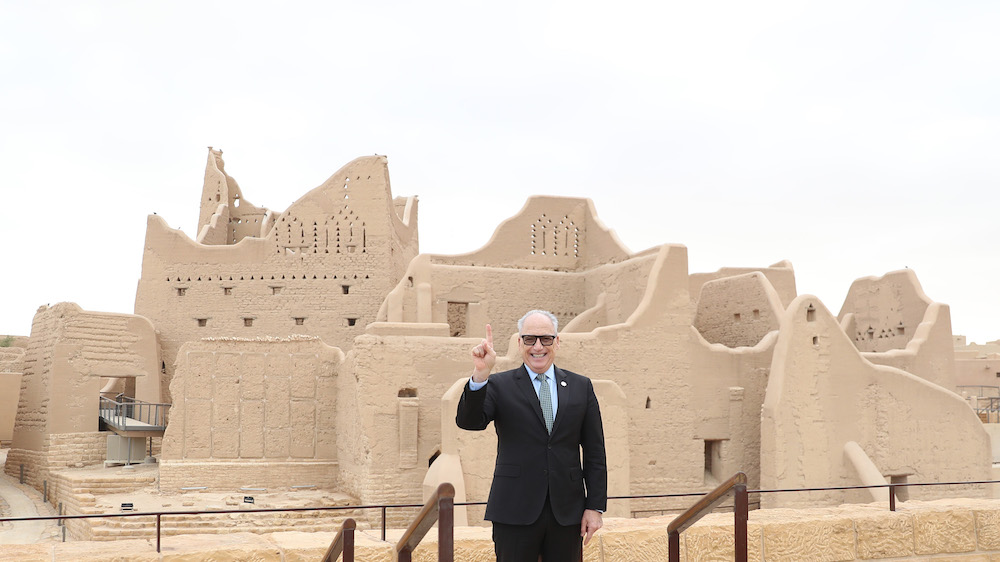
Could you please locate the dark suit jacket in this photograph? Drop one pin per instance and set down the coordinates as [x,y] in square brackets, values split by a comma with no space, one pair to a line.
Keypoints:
[530,462]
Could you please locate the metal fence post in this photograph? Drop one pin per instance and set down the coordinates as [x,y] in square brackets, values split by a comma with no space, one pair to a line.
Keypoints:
[741,512]
[446,529]
[674,546]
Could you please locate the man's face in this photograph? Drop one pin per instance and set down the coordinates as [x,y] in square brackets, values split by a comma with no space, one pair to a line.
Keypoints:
[538,357]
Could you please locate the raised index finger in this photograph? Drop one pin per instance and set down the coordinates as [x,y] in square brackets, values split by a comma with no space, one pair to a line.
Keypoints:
[489,335]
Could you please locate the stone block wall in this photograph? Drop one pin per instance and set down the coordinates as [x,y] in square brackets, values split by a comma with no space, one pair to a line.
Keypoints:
[251,413]
[59,451]
[175,475]
[77,495]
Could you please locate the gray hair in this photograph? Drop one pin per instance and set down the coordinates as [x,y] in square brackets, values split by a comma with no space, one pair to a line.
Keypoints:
[545,313]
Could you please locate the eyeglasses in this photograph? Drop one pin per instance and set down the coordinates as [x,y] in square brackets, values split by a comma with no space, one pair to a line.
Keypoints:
[530,340]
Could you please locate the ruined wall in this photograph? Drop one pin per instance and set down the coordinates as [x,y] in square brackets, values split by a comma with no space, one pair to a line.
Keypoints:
[738,311]
[686,399]
[390,413]
[822,394]
[226,217]
[252,413]
[780,275]
[886,310]
[550,233]
[69,352]
[322,270]
[71,355]
[920,343]
[728,390]
[929,354]
[613,292]
[467,298]
[11,367]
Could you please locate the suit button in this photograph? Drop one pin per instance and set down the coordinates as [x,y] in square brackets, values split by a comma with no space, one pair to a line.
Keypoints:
[550,447]
[546,471]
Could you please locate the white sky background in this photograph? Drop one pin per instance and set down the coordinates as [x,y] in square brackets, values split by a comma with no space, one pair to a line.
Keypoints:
[851,138]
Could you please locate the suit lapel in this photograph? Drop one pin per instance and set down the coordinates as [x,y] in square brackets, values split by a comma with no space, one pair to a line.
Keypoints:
[562,391]
[522,379]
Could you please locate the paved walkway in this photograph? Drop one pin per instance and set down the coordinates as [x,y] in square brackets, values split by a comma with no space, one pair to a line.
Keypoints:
[20,505]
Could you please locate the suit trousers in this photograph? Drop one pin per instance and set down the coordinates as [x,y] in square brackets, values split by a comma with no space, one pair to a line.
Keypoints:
[545,537]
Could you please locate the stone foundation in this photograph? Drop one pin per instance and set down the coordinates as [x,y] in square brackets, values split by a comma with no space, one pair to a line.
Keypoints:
[226,476]
[59,451]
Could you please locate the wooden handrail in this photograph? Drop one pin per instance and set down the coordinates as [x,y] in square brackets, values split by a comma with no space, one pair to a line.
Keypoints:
[440,508]
[736,484]
[343,543]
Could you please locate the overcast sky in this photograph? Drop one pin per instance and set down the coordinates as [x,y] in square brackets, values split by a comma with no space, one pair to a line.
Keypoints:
[850,138]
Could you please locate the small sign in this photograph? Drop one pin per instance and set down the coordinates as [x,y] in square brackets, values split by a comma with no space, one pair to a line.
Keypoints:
[247,499]
[128,507]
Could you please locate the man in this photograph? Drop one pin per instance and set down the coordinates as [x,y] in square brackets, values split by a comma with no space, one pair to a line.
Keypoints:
[542,500]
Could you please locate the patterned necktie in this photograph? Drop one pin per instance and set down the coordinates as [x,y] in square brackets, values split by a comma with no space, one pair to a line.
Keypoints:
[545,397]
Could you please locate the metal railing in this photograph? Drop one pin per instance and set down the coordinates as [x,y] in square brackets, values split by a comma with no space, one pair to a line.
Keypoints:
[343,543]
[123,413]
[448,520]
[440,508]
[737,484]
[987,408]
[980,390]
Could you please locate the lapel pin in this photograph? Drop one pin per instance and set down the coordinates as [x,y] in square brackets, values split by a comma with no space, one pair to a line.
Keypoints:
[563,383]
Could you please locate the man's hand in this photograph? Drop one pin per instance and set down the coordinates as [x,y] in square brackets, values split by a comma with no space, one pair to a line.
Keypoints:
[483,357]
[592,521]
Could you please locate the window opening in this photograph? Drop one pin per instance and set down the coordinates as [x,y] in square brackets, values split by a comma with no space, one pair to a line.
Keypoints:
[458,317]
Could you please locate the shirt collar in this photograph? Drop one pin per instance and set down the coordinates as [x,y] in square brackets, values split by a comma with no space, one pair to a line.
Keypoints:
[550,373]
